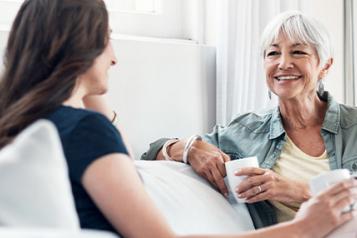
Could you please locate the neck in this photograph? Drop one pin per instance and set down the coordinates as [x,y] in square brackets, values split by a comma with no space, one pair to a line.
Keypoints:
[76,100]
[301,113]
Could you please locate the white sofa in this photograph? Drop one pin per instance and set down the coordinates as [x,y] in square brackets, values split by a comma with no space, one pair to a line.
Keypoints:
[36,198]
[35,194]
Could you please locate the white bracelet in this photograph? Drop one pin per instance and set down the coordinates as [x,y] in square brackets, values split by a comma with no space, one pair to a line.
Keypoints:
[188,146]
[166,145]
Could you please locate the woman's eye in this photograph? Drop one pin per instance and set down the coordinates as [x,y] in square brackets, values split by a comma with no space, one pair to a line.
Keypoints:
[272,53]
[299,52]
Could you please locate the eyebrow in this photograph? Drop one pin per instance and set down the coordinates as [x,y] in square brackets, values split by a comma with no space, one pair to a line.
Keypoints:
[293,45]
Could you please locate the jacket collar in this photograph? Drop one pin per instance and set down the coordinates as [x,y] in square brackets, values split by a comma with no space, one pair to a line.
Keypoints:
[332,117]
[331,121]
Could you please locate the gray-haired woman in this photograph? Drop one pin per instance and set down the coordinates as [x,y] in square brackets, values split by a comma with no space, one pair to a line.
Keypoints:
[306,134]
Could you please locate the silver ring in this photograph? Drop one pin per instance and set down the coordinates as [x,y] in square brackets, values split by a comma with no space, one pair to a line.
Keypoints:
[259,189]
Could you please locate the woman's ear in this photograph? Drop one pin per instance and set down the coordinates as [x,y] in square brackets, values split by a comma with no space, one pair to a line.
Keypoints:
[325,68]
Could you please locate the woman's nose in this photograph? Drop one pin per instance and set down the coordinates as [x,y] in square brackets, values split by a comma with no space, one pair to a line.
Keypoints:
[112,55]
[285,63]
[114,59]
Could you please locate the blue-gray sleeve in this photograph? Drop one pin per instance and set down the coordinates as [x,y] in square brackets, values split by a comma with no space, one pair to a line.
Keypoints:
[154,149]
[214,136]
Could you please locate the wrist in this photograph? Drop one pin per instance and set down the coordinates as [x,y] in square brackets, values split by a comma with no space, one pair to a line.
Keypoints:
[304,228]
[297,191]
[166,147]
[175,151]
[193,150]
[297,229]
[304,192]
[188,146]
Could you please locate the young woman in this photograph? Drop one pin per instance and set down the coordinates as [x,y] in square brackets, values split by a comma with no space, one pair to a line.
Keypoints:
[56,63]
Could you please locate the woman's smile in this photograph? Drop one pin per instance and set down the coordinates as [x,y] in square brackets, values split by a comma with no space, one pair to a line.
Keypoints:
[283,78]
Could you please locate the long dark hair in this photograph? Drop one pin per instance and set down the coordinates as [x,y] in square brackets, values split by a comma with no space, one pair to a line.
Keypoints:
[51,43]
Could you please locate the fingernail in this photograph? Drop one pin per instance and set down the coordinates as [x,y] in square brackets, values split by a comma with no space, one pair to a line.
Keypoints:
[236,172]
[226,195]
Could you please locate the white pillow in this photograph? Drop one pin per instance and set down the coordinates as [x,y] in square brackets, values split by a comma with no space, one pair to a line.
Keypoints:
[9,232]
[189,204]
[34,185]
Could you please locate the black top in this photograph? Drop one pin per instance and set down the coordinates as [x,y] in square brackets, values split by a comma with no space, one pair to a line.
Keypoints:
[86,136]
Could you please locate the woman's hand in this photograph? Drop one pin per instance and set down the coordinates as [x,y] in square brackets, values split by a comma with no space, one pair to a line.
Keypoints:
[208,161]
[264,184]
[323,213]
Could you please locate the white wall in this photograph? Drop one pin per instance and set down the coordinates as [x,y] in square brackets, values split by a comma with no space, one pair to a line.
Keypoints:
[160,88]
[163,89]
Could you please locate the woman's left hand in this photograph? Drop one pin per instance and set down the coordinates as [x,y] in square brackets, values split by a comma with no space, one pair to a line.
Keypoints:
[264,184]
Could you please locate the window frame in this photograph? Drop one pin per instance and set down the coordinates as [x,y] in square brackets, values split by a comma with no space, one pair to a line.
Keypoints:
[173,19]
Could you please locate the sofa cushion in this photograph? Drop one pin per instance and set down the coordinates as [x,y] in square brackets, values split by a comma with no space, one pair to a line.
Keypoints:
[35,191]
[189,204]
[10,232]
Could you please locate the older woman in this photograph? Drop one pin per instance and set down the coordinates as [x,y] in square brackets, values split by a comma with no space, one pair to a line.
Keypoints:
[308,133]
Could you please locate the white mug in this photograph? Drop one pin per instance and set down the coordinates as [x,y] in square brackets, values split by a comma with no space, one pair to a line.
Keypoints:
[323,181]
[232,167]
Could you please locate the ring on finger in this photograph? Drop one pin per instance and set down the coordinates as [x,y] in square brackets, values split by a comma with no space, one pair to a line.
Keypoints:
[259,189]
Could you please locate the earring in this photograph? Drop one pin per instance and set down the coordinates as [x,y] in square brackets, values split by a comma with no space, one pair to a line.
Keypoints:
[269,94]
[321,88]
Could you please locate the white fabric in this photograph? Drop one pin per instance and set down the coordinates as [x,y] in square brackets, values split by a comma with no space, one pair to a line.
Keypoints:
[34,185]
[7,232]
[241,85]
[189,204]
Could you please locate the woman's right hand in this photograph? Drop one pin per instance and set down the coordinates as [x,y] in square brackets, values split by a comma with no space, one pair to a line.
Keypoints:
[323,213]
[208,161]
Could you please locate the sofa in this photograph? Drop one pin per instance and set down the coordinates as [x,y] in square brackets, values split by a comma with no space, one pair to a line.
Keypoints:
[36,199]
[36,195]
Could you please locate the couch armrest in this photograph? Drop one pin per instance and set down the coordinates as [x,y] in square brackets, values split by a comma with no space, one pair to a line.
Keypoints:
[12,232]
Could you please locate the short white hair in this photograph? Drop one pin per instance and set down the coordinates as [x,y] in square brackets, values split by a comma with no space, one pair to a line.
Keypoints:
[300,28]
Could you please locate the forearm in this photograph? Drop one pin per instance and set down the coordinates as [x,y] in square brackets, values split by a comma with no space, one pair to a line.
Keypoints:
[287,229]
[175,151]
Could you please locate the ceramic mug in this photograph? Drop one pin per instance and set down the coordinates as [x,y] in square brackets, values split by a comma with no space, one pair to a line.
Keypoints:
[233,180]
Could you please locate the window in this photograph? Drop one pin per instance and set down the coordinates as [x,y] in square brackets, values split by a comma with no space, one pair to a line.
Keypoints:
[134,6]
[153,18]
[173,19]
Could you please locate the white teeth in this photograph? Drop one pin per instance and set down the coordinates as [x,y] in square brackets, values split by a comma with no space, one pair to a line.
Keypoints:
[290,77]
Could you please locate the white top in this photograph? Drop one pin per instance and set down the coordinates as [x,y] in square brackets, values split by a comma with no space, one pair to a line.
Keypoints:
[296,165]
